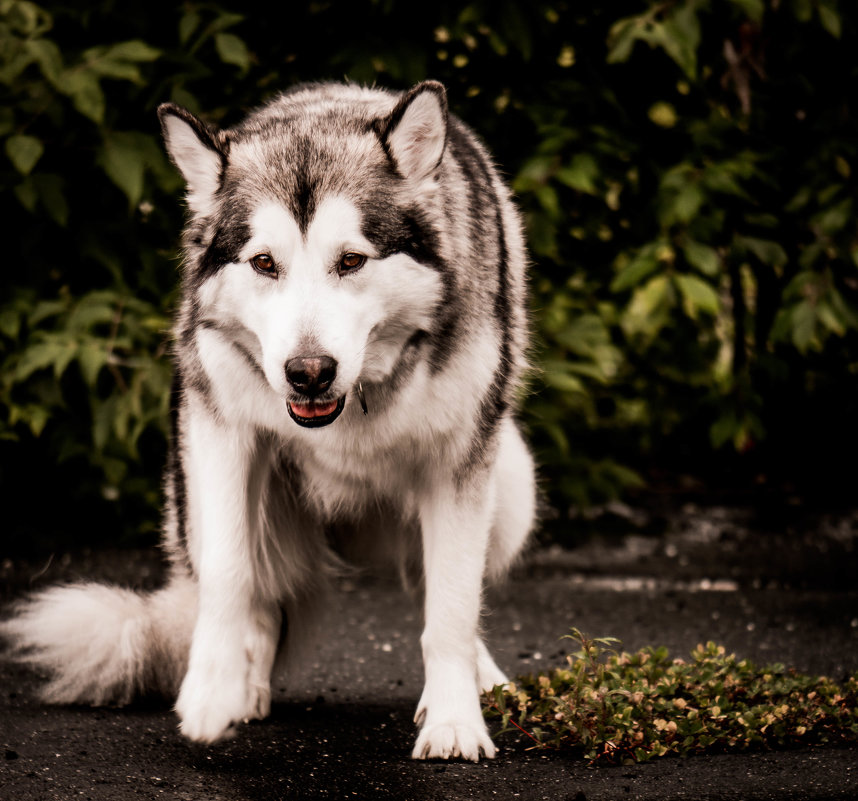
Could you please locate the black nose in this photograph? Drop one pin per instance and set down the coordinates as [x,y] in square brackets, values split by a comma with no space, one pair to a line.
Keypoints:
[311,375]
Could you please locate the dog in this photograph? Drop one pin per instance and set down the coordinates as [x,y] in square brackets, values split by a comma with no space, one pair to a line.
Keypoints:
[350,346]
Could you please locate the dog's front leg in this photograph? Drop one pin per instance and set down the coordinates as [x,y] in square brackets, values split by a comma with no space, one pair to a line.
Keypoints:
[455,525]
[235,637]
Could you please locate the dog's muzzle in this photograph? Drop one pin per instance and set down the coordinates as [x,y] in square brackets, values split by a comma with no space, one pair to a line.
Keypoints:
[311,377]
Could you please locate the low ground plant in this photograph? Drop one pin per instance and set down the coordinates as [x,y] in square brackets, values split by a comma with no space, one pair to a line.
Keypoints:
[615,707]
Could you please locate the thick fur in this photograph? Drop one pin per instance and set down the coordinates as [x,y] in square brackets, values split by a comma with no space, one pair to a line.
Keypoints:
[349,348]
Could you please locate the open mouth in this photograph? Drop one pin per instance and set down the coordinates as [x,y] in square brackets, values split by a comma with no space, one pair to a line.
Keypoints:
[315,414]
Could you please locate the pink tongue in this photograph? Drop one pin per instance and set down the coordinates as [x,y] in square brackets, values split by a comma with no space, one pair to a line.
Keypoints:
[310,410]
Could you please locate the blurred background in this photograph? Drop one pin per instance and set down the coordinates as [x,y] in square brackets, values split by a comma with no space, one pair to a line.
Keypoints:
[688,173]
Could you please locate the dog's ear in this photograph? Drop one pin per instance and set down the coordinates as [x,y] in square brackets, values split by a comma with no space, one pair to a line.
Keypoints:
[415,133]
[198,152]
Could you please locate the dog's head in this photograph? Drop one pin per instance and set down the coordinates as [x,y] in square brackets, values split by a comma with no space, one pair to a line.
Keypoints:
[312,244]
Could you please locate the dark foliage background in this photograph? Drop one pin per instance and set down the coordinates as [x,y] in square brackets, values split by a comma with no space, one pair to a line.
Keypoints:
[688,171]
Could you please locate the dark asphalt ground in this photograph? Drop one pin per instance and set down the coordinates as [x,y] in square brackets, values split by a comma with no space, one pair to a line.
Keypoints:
[778,590]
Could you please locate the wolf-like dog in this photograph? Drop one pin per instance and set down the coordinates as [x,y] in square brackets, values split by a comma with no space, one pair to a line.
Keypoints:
[349,348]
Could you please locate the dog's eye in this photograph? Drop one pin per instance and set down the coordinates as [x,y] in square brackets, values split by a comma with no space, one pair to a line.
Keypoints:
[263,263]
[351,262]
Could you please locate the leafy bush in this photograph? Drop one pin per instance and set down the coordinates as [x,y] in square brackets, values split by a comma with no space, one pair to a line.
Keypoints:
[616,707]
[692,206]
[686,170]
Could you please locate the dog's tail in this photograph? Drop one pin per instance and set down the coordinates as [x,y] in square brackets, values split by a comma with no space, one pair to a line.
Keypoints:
[101,644]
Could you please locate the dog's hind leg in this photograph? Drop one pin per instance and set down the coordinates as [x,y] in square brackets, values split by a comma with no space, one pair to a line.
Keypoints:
[515,509]
[489,675]
[238,625]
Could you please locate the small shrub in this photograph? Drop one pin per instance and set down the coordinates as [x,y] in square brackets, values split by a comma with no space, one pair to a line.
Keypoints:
[616,708]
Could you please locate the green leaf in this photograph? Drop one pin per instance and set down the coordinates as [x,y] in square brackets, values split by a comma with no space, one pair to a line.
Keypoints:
[722,178]
[46,309]
[93,310]
[697,295]
[844,311]
[621,39]
[182,97]
[835,219]
[226,19]
[26,18]
[624,477]
[830,18]
[54,352]
[49,58]
[549,200]
[564,382]
[810,254]
[34,415]
[14,64]
[119,61]
[586,369]
[122,159]
[7,121]
[680,38]
[233,50]
[27,194]
[803,324]
[642,265]
[542,235]
[47,189]
[114,472]
[763,220]
[10,323]
[91,356]
[680,206]
[557,434]
[52,197]
[133,50]
[86,94]
[583,333]
[646,313]
[24,152]
[64,358]
[677,34]
[829,319]
[535,172]
[189,22]
[580,174]
[702,257]
[767,251]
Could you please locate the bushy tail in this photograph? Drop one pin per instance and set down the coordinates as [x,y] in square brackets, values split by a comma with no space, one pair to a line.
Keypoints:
[102,644]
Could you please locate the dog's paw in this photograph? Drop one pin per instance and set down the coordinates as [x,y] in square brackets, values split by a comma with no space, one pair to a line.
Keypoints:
[451,720]
[454,740]
[209,712]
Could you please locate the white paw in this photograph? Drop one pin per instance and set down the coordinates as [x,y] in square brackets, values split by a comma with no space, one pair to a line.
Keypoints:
[450,715]
[229,676]
[454,740]
[210,710]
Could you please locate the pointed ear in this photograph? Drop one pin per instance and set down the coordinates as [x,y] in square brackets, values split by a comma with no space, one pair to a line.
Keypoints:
[195,149]
[415,133]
